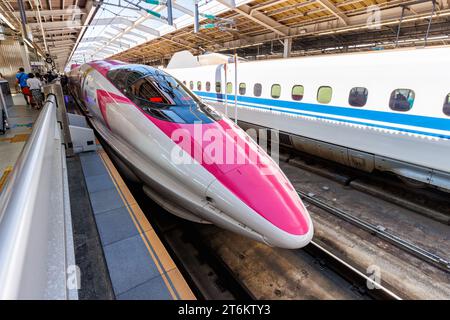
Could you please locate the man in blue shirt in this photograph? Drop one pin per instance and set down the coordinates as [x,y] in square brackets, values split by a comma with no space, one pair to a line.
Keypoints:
[22,77]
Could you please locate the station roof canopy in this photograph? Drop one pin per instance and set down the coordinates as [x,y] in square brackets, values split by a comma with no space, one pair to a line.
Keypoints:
[77,31]
[52,25]
[263,28]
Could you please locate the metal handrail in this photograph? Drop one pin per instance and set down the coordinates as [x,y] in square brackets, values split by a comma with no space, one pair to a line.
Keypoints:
[32,216]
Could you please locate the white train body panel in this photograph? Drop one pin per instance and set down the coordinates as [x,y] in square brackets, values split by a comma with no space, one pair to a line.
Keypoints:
[419,138]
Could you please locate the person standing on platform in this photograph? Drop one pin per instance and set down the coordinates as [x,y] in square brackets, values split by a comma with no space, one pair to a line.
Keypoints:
[22,77]
[35,86]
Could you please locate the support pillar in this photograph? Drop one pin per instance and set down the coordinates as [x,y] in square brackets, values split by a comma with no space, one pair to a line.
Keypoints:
[287,47]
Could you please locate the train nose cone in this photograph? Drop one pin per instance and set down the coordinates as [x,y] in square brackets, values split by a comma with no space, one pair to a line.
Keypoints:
[271,195]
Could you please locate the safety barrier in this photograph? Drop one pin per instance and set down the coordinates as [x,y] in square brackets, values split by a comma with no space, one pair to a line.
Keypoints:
[36,245]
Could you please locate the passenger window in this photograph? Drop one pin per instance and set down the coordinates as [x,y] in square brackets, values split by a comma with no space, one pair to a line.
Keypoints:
[257,90]
[191,85]
[297,92]
[229,87]
[218,86]
[324,94]
[199,85]
[184,82]
[447,105]
[402,100]
[275,92]
[208,86]
[242,88]
[358,97]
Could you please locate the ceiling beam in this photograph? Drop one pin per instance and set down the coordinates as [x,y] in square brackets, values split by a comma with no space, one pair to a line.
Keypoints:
[55,12]
[334,10]
[56,24]
[182,9]
[148,30]
[261,19]
[131,33]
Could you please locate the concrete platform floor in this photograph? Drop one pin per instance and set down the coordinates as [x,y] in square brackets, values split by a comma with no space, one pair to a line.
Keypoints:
[21,119]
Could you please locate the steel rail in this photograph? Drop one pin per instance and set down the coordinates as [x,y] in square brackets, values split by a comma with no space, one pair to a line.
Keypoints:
[348,271]
[375,230]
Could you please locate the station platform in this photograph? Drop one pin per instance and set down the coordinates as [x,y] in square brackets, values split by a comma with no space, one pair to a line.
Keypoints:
[21,119]
[139,266]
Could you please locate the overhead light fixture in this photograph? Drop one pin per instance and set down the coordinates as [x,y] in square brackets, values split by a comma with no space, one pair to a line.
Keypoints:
[3,18]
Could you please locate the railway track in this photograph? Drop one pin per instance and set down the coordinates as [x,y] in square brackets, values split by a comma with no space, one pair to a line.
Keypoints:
[378,291]
[379,231]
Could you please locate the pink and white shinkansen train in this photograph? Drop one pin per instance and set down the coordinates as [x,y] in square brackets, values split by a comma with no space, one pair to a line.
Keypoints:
[384,110]
[152,124]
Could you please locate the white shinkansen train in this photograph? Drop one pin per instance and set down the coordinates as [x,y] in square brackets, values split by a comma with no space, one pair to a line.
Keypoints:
[384,110]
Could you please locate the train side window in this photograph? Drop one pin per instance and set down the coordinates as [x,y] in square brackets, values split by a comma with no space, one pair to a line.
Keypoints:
[199,85]
[402,99]
[184,82]
[297,92]
[229,87]
[208,86]
[447,105]
[218,86]
[324,94]
[257,90]
[191,85]
[242,88]
[358,97]
[275,91]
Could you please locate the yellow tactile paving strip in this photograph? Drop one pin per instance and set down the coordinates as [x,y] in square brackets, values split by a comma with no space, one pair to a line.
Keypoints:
[23,137]
[5,176]
[163,261]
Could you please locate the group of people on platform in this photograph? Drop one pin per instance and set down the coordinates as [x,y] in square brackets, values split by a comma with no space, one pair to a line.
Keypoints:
[31,86]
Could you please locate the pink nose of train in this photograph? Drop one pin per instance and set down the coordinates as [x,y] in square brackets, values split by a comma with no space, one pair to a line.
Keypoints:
[270,195]
[271,207]
[264,202]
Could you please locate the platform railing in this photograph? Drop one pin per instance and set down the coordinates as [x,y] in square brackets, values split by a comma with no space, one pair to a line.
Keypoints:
[36,244]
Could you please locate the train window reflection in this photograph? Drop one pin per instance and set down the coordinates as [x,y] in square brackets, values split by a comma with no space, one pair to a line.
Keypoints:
[242,88]
[164,90]
[229,87]
[122,78]
[358,97]
[402,100]
[324,94]
[275,91]
[208,86]
[297,92]
[447,105]
[257,90]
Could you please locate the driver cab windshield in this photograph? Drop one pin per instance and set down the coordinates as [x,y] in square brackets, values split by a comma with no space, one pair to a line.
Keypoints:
[161,95]
[164,90]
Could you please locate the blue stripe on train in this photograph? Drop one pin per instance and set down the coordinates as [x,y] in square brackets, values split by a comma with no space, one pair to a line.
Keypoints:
[394,118]
[391,117]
